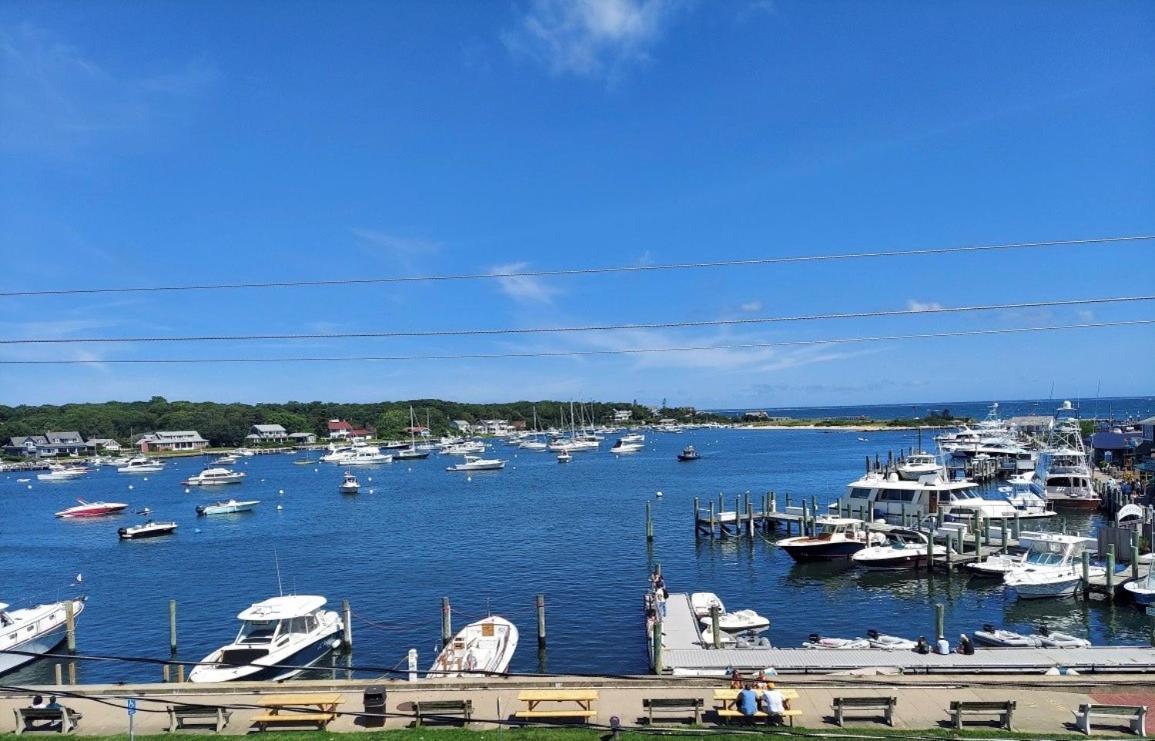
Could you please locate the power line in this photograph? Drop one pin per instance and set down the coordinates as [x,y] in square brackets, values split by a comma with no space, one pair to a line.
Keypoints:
[587,328]
[499,274]
[577,353]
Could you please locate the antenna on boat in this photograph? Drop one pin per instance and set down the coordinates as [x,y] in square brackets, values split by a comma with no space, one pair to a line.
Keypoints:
[277,562]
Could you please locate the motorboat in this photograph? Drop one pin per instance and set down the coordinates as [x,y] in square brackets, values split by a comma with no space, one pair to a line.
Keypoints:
[536,446]
[215,476]
[1050,567]
[350,485]
[29,631]
[702,602]
[230,507]
[1053,639]
[227,459]
[621,446]
[996,565]
[1063,474]
[633,437]
[92,509]
[140,464]
[62,473]
[1142,590]
[917,465]
[148,529]
[464,448]
[817,641]
[728,640]
[903,549]
[836,537]
[739,621]
[889,643]
[564,457]
[278,639]
[991,636]
[482,647]
[367,455]
[689,454]
[476,463]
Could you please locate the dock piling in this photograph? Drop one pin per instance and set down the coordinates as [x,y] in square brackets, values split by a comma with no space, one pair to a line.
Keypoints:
[657,643]
[72,672]
[180,673]
[172,627]
[446,622]
[716,625]
[1134,554]
[1111,571]
[1003,535]
[59,669]
[1086,573]
[347,631]
[939,621]
[803,524]
[164,671]
[713,524]
[649,523]
[541,621]
[697,516]
[1015,532]
[70,625]
[750,517]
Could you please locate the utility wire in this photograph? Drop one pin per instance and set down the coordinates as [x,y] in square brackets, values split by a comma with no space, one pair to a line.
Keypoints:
[500,274]
[577,353]
[743,321]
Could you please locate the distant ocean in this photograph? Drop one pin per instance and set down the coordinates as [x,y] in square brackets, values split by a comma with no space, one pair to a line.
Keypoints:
[1116,408]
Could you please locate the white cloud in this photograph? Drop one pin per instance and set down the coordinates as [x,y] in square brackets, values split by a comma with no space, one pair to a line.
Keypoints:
[523,288]
[404,251]
[916,305]
[751,306]
[1085,315]
[590,38]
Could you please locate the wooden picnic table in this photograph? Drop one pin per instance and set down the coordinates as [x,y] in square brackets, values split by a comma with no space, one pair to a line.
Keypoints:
[326,704]
[584,699]
[727,699]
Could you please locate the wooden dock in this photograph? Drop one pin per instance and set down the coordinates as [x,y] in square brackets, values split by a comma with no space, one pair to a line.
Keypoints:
[682,652]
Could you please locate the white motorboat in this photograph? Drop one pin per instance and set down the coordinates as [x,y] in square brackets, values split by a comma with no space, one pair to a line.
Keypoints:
[29,631]
[227,459]
[350,485]
[564,457]
[148,529]
[889,643]
[1142,590]
[1063,474]
[476,463]
[1053,639]
[536,446]
[689,453]
[917,465]
[724,638]
[991,636]
[140,464]
[215,477]
[1049,568]
[739,621]
[837,537]
[278,639]
[367,455]
[230,507]
[633,437]
[464,448]
[483,647]
[621,446]
[703,601]
[62,473]
[996,565]
[91,509]
[411,453]
[903,549]
[817,641]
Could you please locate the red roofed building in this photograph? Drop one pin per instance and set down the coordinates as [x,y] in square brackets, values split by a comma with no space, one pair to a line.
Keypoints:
[339,429]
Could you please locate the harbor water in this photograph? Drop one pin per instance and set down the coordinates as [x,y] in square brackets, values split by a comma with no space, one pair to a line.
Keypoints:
[491,542]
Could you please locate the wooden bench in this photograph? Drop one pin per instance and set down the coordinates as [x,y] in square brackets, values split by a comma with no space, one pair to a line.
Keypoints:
[65,718]
[843,704]
[1005,710]
[184,716]
[441,710]
[298,710]
[583,699]
[726,715]
[690,705]
[1133,716]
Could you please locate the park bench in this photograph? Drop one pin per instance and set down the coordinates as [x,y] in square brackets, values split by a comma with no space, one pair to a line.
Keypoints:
[185,716]
[63,718]
[689,707]
[441,710]
[855,704]
[583,699]
[1005,710]
[1133,716]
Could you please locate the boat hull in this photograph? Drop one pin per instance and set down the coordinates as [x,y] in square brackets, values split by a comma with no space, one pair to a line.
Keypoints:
[892,563]
[40,644]
[301,660]
[830,551]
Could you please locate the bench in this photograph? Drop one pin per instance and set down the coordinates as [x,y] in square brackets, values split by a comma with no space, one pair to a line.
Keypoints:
[320,720]
[441,709]
[690,705]
[725,715]
[843,704]
[184,716]
[584,700]
[1005,710]
[1134,716]
[65,718]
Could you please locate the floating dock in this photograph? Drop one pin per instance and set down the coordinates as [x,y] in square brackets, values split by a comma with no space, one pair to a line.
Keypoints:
[684,653]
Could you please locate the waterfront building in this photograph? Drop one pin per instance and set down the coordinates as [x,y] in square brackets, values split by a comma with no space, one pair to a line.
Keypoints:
[171,440]
[266,434]
[49,445]
[302,438]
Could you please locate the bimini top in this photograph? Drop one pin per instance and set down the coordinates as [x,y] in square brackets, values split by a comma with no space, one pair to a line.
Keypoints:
[283,608]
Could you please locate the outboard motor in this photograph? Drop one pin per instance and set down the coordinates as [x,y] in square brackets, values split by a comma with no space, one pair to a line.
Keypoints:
[988,628]
[815,638]
[872,633]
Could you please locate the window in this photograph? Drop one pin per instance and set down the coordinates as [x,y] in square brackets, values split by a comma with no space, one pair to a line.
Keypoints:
[857,493]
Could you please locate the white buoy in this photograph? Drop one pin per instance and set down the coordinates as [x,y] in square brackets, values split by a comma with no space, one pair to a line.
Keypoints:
[146,478]
[469,478]
[79,578]
[130,487]
[659,495]
[30,486]
[280,507]
[370,479]
[197,530]
[280,491]
[410,469]
[370,491]
[187,490]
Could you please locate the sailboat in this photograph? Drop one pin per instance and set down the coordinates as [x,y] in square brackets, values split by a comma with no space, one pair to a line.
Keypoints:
[533,443]
[411,453]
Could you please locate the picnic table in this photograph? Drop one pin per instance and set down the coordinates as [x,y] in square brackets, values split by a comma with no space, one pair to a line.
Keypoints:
[298,709]
[726,704]
[578,703]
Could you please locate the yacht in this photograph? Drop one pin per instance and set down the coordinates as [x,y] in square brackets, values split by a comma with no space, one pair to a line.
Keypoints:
[32,630]
[1052,567]
[91,509]
[903,549]
[482,647]
[215,477]
[230,507]
[62,473]
[278,639]
[227,459]
[917,465]
[367,455]
[149,529]
[837,537]
[350,485]
[140,464]
[476,463]
[1063,475]
[621,446]
[472,447]
[535,446]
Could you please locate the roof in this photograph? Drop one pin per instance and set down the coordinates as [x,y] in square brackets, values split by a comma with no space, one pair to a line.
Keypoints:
[269,428]
[166,436]
[1148,421]
[21,440]
[339,424]
[1108,440]
[301,434]
[280,608]
[64,437]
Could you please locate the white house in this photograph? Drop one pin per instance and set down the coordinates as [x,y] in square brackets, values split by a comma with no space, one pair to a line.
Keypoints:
[264,434]
[172,440]
[106,443]
[623,415]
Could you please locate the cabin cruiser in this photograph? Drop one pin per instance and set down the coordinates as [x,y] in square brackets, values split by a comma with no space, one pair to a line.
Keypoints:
[903,549]
[92,509]
[140,464]
[917,465]
[464,448]
[32,630]
[230,507]
[278,639]
[350,485]
[836,537]
[689,454]
[999,565]
[483,647]
[62,473]
[476,463]
[564,457]
[366,455]
[227,459]
[536,446]
[1063,475]
[1051,568]
[573,445]
[621,446]
[149,529]
[215,476]
[740,621]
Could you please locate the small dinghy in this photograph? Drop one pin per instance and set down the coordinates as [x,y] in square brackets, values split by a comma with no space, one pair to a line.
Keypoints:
[817,641]
[149,529]
[350,485]
[724,638]
[1051,639]
[741,621]
[991,636]
[483,647]
[703,601]
[230,507]
[890,643]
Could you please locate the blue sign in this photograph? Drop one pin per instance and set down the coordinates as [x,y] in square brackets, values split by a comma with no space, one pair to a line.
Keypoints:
[131,706]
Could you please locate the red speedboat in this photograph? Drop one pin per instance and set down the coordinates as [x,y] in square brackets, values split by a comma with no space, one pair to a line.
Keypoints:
[92,509]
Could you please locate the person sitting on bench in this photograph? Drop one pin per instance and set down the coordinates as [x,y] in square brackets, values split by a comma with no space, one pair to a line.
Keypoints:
[748,701]
[774,704]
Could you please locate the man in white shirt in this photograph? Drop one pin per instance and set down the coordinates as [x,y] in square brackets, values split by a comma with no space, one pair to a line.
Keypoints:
[774,703]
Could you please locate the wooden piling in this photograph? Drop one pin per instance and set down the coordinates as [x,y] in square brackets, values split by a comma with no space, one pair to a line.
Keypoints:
[716,625]
[804,518]
[59,669]
[697,515]
[929,551]
[1086,573]
[657,643]
[347,628]
[180,673]
[164,670]
[750,517]
[713,524]
[939,622]
[1111,571]
[1003,537]
[1017,529]
[541,621]
[446,622]
[70,626]
[1134,554]
[72,673]
[649,523]
[172,645]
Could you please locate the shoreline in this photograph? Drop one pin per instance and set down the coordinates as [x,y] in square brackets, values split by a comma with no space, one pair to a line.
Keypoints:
[846,428]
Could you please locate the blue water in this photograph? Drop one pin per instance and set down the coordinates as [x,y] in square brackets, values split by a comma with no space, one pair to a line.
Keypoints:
[1122,408]
[573,532]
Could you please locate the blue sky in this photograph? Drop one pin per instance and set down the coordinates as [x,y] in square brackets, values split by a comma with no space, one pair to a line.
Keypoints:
[175,142]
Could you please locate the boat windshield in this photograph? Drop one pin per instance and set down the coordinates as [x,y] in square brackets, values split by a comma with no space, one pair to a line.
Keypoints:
[257,631]
[1045,553]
